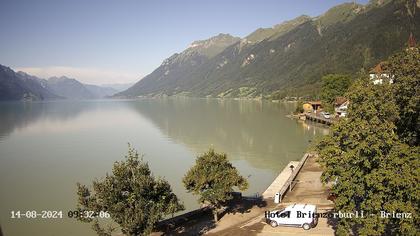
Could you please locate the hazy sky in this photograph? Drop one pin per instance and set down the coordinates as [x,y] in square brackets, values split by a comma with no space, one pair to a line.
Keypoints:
[118,41]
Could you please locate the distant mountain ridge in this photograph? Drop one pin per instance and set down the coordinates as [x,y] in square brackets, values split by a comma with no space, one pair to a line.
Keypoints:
[117,87]
[100,91]
[68,88]
[19,86]
[22,86]
[289,58]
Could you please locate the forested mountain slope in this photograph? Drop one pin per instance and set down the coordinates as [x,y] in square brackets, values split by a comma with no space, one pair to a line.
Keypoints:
[288,59]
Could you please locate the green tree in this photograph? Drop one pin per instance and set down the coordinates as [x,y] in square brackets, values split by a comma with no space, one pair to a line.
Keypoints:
[133,197]
[334,85]
[375,171]
[299,107]
[404,67]
[213,178]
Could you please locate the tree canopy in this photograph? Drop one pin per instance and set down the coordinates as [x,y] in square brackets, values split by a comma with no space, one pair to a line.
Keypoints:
[376,168]
[405,69]
[133,197]
[334,85]
[213,177]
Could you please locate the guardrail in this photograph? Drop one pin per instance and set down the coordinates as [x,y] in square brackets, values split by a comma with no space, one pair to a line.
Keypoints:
[180,219]
[290,181]
[319,119]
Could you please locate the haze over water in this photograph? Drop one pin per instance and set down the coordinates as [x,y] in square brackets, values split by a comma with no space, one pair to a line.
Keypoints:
[47,147]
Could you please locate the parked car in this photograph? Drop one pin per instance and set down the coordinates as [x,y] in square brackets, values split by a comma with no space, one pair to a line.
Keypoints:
[326,115]
[343,114]
[297,215]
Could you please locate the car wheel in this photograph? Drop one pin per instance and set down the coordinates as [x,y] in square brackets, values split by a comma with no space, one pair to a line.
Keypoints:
[306,226]
[273,224]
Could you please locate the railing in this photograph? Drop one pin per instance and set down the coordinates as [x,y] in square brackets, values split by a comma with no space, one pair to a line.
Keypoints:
[180,219]
[290,183]
[319,119]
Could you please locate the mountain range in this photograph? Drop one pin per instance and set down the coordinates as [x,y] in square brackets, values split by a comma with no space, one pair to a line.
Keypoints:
[22,86]
[15,86]
[287,59]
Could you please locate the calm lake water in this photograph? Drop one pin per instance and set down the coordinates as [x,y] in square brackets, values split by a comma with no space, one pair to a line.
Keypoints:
[47,147]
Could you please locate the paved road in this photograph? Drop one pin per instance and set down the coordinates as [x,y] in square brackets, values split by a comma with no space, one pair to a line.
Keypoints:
[262,228]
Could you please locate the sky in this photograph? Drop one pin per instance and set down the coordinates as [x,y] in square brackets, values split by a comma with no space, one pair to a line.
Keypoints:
[120,41]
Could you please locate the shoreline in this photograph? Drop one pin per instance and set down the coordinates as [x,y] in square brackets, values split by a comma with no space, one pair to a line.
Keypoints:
[250,220]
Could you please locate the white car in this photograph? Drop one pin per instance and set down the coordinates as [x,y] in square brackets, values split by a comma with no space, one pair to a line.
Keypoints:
[297,215]
[326,115]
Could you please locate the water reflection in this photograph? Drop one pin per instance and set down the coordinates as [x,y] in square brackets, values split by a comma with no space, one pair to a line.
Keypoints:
[255,131]
[45,148]
[314,128]
[18,115]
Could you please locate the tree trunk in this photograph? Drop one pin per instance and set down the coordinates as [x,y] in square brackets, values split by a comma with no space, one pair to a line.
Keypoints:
[215,215]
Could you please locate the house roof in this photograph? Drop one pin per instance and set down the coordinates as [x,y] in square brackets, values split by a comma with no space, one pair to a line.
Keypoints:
[340,100]
[315,103]
[411,41]
[380,68]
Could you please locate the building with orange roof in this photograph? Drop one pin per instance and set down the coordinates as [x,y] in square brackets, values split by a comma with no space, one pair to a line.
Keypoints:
[378,73]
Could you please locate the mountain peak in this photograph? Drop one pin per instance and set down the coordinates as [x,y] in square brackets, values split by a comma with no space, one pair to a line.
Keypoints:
[277,30]
[340,13]
[209,47]
[218,39]
[297,20]
[21,73]
[6,69]
[61,78]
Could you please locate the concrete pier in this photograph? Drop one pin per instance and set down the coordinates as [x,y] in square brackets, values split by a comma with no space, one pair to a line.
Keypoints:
[284,180]
[280,181]
[318,118]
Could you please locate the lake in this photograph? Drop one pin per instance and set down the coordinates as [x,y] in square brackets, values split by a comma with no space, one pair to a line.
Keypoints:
[47,147]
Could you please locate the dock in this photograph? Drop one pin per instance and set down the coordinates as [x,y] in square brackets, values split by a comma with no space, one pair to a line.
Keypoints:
[319,119]
[284,180]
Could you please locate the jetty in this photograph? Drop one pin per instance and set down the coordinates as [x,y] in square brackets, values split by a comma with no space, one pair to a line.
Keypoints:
[318,118]
[285,180]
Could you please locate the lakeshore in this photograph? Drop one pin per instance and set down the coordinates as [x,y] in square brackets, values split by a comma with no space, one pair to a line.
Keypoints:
[257,137]
[308,190]
[248,217]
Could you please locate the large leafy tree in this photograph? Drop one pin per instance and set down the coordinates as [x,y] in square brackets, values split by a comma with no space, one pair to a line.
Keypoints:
[375,169]
[133,197]
[405,69]
[213,178]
